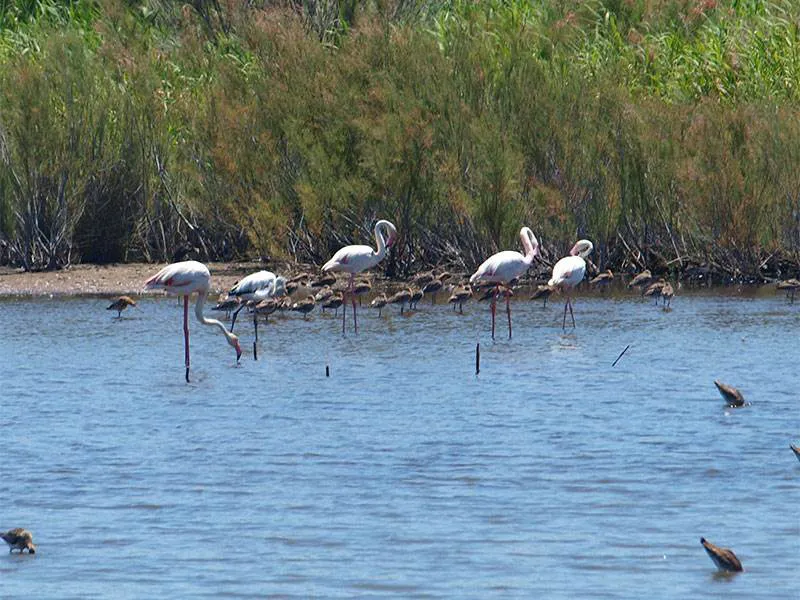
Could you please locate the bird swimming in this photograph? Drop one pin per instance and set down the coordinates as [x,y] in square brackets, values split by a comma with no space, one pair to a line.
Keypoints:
[19,539]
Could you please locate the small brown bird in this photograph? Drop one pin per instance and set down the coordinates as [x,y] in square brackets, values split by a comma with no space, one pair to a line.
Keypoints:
[422,279]
[459,296]
[402,298]
[724,558]
[642,280]
[796,450]
[121,304]
[327,278]
[654,289]
[667,293]
[544,292]
[730,394]
[433,287]
[416,296]
[334,302]
[379,302]
[266,307]
[227,303]
[323,294]
[362,287]
[790,286]
[603,279]
[305,306]
[19,539]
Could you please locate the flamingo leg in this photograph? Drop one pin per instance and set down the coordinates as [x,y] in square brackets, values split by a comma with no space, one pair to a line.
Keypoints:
[355,318]
[564,322]
[494,310]
[235,314]
[255,341]
[508,311]
[569,301]
[186,333]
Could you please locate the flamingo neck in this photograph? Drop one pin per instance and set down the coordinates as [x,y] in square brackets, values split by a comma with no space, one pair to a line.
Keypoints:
[530,245]
[379,239]
[198,311]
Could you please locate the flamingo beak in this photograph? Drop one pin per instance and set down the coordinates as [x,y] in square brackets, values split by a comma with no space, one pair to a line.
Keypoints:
[238,351]
[392,239]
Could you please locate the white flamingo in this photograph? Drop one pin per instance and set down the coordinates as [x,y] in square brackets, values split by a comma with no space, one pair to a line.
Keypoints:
[569,272]
[184,279]
[254,288]
[355,259]
[504,266]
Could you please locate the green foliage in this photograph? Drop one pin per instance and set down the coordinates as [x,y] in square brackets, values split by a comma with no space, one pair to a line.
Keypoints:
[656,128]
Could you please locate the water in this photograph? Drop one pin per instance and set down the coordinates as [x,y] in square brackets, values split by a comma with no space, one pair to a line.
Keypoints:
[551,474]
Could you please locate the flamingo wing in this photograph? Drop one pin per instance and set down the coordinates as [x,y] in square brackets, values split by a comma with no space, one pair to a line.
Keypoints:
[352,259]
[500,268]
[568,271]
[181,278]
[254,283]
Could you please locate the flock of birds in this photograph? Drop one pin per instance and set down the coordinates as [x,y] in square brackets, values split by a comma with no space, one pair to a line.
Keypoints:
[263,293]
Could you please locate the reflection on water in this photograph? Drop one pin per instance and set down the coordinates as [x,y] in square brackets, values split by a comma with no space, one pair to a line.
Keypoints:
[550,474]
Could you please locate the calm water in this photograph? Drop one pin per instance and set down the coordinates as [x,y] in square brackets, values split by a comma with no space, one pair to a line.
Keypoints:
[549,475]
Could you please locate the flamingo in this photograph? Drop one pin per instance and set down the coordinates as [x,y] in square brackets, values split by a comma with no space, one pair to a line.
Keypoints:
[724,558]
[255,288]
[184,279]
[355,259]
[504,266]
[569,271]
[121,304]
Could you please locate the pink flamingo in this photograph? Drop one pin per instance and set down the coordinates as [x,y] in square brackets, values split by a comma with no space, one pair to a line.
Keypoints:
[569,271]
[354,259]
[184,279]
[504,266]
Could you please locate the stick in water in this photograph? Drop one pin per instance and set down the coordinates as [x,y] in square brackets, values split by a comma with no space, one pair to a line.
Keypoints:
[327,371]
[620,355]
[477,358]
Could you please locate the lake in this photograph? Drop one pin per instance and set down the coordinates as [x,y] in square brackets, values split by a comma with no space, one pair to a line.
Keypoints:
[551,474]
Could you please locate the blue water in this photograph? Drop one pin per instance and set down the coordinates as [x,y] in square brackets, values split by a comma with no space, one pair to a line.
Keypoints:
[551,474]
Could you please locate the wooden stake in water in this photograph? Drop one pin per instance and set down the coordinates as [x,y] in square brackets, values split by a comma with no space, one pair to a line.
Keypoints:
[477,358]
[620,355]
[327,371]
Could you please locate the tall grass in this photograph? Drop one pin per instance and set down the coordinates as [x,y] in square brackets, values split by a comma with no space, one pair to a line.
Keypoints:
[664,131]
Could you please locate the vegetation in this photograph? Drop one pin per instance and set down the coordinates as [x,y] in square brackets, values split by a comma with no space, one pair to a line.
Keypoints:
[666,131]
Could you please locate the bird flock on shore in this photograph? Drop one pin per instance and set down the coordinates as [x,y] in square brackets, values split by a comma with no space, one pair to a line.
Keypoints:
[263,293]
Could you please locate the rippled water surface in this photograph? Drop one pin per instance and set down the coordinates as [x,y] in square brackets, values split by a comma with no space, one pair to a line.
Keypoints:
[549,475]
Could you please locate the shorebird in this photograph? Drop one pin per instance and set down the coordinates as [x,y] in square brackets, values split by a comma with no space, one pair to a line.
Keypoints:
[19,539]
[654,289]
[335,302]
[323,280]
[416,296]
[402,298]
[357,258]
[184,279]
[543,292]
[265,307]
[501,268]
[304,306]
[642,280]
[432,287]
[422,279]
[796,450]
[361,287]
[227,304]
[460,295]
[667,292]
[569,271]
[724,558]
[379,302]
[730,394]
[790,286]
[325,293]
[603,279]
[121,304]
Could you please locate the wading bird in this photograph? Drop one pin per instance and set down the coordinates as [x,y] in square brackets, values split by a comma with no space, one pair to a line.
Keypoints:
[460,295]
[305,306]
[543,292]
[361,287]
[504,266]
[226,304]
[433,287]
[790,286]
[355,259]
[253,289]
[568,272]
[402,298]
[19,539]
[603,280]
[730,394]
[642,280]
[121,304]
[724,558]
[654,290]
[184,279]
[667,293]
[379,302]
[796,450]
